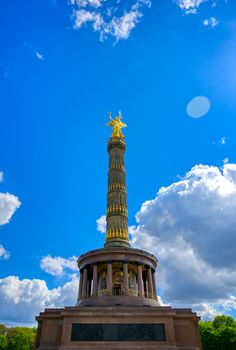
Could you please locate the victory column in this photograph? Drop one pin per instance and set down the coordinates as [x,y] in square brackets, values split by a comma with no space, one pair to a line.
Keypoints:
[117,306]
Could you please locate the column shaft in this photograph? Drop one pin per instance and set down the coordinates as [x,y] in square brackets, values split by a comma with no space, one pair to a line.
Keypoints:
[150,285]
[85,282]
[117,213]
[125,278]
[95,280]
[109,278]
[140,281]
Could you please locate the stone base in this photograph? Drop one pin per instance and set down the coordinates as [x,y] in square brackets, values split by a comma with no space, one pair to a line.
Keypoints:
[119,300]
[178,328]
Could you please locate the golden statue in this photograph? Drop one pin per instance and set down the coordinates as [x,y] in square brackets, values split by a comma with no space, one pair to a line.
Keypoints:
[117,125]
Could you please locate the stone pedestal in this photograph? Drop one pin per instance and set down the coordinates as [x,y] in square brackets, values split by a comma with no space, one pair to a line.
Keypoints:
[118,328]
[120,311]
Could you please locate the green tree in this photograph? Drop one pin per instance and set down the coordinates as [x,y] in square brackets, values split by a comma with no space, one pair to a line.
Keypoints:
[208,336]
[3,329]
[3,342]
[223,320]
[21,338]
[219,334]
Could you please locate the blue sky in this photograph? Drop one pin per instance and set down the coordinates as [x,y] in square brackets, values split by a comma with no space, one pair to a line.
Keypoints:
[63,66]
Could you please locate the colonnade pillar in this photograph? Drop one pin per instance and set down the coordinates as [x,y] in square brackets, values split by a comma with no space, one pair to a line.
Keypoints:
[150,284]
[109,278]
[84,283]
[80,285]
[140,281]
[95,280]
[125,278]
[154,284]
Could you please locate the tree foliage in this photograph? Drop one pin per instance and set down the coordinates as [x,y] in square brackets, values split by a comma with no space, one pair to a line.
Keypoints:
[219,334]
[17,338]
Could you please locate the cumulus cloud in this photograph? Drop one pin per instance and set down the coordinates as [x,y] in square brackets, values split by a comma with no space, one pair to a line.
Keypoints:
[105,19]
[22,300]
[4,254]
[101,224]
[190,227]
[8,205]
[211,22]
[58,266]
[189,6]
[192,6]
[84,3]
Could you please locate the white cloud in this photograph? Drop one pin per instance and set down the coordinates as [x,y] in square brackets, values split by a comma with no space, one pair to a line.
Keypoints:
[84,3]
[103,19]
[58,266]
[22,300]
[121,27]
[210,310]
[226,160]
[189,6]
[211,22]
[101,224]
[84,16]
[223,140]
[39,56]
[190,227]
[8,205]
[4,254]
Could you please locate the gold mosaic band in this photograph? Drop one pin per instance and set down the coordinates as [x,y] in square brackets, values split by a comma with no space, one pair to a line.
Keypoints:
[117,187]
[117,209]
[116,234]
